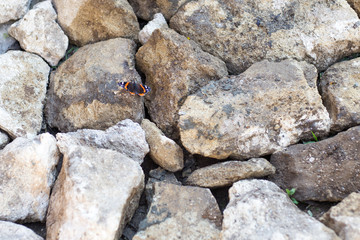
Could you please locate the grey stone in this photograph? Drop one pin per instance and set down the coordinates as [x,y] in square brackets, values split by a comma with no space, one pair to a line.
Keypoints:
[23,80]
[12,231]
[95,195]
[327,170]
[259,210]
[27,173]
[158,22]
[6,41]
[4,139]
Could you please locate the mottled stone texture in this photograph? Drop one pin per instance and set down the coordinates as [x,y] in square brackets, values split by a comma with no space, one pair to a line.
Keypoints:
[258,209]
[268,107]
[13,10]
[12,231]
[81,92]
[88,21]
[244,32]
[340,91]
[158,22]
[328,170]
[174,67]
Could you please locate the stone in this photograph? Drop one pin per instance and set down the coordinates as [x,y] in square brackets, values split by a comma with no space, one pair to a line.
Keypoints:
[174,68]
[81,92]
[13,10]
[268,107]
[39,33]
[344,218]
[244,32]
[27,173]
[6,41]
[327,170]
[4,139]
[89,21]
[11,231]
[126,137]
[163,150]
[226,173]
[355,4]
[158,22]
[181,212]
[146,9]
[340,91]
[23,81]
[95,195]
[258,209]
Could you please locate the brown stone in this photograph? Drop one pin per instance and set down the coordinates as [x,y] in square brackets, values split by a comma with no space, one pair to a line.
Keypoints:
[174,67]
[244,32]
[81,92]
[266,108]
[340,90]
[89,21]
[226,173]
[327,170]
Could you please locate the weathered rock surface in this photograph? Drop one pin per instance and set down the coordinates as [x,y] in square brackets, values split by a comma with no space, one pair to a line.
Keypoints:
[126,137]
[268,107]
[163,150]
[180,212]
[174,68]
[81,92]
[6,41]
[355,4]
[244,32]
[158,22]
[340,90]
[258,209]
[344,218]
[322,171]
[12,231]
[226,173]
[146,9]
[39,33]
[95,194]
[4,139]
[89,21]
[13,10]
[23,80]
[27,172]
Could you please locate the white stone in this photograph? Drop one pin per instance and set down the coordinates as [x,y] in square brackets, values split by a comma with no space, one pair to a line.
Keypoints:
[27,172]
[13,231]
[23,80]
[13,9]
[39,33]
[95,195]
[158,22]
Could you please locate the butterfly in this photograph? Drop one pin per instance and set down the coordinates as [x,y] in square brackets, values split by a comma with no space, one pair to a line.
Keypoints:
[135,88]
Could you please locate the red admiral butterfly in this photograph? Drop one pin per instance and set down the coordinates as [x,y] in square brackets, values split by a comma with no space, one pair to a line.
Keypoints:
[135,88]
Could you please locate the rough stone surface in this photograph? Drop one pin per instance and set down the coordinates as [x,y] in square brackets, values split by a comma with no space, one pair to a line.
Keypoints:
[181,212]
[344,218]
[258,209]
[95,195]
[89,21]
[328,170]
[174,67]
[81,92]
[226,173]
[163,150]
[4,139]
[355,4]
[244,32]
[126,137]
[268,107]
[146,9]
[340,90]
[158,22]
[27,172]
[23,80]
[39,33]
[13,10]
[6,41]
[12,231]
